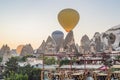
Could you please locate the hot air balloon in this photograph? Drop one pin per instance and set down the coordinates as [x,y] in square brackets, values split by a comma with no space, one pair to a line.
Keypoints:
[19,49]
[68,19]
[58,38]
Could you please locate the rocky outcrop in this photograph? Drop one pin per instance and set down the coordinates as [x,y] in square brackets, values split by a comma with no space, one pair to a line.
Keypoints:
[110,39]
[85,43]
[69,43]
[6,57]
[27,50]
[5,53]
[4,49]
[113,35]
[50,46]
[41,49]
[98,42]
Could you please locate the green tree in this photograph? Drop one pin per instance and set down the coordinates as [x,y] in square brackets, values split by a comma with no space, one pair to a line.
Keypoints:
[49,60]
[118,57]
[64,62]
[24,58]
[1,58]
[16,76]
[15,72]
[11,65]
[26,69]
[33,73]
[74,59]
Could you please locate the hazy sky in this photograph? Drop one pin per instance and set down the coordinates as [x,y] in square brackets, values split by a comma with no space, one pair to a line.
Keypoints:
[32,21]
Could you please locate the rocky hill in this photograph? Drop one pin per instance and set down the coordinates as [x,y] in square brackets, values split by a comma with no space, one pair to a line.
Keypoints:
[27,50]
[4,49]
[108,39]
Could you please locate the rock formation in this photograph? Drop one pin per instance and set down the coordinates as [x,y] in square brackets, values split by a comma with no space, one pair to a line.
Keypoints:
[69,43]
[114,37]
[85,43]
[27,50]
[41,49]
[50,46]
[110,39]
[98,42]
[5,53]
[4,49]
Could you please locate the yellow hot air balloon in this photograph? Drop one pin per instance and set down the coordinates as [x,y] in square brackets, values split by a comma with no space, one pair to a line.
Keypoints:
[68,18]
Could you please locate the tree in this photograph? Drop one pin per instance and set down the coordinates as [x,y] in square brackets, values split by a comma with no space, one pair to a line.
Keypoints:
[49,60]
[33,73]
[1,58]
[16,76]
[15,72]
[11,65]
[24,58]
[118,57]
[64,62]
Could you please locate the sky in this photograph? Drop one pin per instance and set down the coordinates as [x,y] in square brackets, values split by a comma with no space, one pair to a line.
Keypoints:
[32,21]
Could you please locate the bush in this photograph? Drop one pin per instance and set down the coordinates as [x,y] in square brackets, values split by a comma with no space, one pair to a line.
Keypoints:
[15,76]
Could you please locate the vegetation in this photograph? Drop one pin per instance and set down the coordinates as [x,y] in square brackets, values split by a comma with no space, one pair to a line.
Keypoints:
[1,58]
[74,59]
[67,61]
[50,60]
[24,58]
[64,62]
[15,76]
[15,72]
[118,57]
[11,65]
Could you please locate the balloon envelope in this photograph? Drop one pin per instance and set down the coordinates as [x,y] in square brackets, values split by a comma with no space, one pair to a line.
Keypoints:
[58,38]
[68,19]
[19,49]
